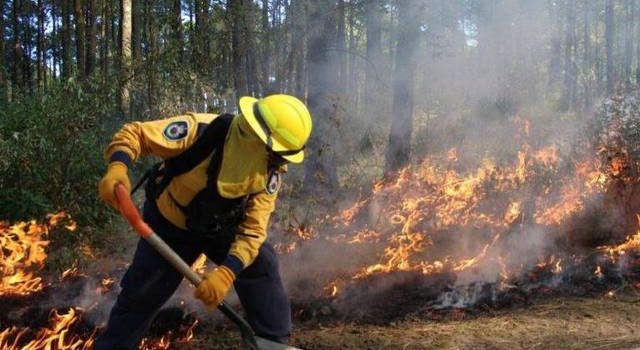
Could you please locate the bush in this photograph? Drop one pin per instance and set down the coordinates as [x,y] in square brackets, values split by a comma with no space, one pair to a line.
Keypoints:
[51,151]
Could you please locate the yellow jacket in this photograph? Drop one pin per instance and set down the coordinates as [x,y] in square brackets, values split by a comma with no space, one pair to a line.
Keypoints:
[243,172]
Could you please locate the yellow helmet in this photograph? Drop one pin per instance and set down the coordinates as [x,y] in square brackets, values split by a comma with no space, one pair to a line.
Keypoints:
[282,122]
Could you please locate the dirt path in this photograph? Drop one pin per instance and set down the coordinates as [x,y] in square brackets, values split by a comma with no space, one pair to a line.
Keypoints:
[565,323]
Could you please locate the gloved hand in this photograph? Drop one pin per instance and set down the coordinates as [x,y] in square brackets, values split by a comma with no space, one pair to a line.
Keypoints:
[215,285]
[116,173]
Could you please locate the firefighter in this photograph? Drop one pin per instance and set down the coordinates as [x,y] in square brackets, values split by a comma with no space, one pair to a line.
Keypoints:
[212,194]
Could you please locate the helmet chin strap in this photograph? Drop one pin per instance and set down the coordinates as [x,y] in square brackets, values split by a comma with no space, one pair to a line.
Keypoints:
[268,133]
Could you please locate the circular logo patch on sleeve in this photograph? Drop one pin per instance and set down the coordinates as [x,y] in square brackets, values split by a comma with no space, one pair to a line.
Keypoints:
[273,185]
[176,131]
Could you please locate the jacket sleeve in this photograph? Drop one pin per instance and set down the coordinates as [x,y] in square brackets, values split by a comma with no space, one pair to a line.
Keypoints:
[163,138]
[252,231]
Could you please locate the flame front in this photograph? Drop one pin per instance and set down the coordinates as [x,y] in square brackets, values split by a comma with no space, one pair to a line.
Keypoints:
[23,254]
[439,215]
[56,336]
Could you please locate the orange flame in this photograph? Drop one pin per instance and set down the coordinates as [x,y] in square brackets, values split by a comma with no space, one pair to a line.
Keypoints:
[23,253]
[434,198]
[55,337]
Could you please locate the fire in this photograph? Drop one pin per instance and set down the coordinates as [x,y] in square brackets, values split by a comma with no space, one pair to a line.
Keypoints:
[331,289]
[169,339]
[598,272]
[22,257]
[481,208]
[70,272]
[632,243]
[23,253]
[200,265]
[57,336]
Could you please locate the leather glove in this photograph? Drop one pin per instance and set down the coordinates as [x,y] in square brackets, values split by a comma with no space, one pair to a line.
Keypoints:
[215,285]
[116,173]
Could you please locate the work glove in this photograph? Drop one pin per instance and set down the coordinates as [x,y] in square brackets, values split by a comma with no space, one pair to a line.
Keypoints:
[116,173]
[215,285]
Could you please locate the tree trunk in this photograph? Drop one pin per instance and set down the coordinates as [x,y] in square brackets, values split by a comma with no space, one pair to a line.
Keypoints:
[16,57]
[555,63]
[176,25]
[320,168]
[588,66]
[67,58]
[3,63]
[340,52]
[40,54]
[298,38]
[637,40]
[125,56]
[27,48]
[81,57]
[152,55]
[609,38]
[202,35]
[351,73]
[137,27]
[104,35]
[92,15]
[569,61]
[251,60]
[373,66]
[266,44]
[628,44]
[399,148]
[238,18]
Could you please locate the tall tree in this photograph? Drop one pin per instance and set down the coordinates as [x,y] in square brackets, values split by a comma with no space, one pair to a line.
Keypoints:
[243,50]
[67,60]
[609,42]
[637,40]
[152,53]
[320,168]
[27,44]
[555,62]
[3,63]
[266,43]
[570,71]
[373,65]
[137,28]
[55,40]
[202,34]
[105,28]
[81,58]
[40,53]
[340,52]
[176,26]
[298,39]
[16,52]
[125,56]
[92,36]
[399,148]
[587,64]
[627,61]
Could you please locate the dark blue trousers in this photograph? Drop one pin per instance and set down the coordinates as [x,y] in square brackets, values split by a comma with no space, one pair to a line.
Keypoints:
[150,281]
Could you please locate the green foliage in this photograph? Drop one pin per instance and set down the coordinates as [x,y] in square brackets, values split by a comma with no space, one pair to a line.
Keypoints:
[51,151]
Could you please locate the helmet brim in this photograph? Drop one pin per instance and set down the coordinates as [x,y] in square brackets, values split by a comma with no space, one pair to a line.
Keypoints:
[246,108]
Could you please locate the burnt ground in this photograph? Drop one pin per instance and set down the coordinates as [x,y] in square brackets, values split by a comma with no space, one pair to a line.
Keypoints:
[553,323]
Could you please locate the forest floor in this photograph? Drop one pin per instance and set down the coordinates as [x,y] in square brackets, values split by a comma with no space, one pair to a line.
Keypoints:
[559,323]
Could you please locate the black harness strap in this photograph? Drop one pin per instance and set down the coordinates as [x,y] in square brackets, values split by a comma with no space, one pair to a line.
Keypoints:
[212,138]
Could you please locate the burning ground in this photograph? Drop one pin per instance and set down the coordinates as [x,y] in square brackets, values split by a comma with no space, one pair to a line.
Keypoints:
[474,244]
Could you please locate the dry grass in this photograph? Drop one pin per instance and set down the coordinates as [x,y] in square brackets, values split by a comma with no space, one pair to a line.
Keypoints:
[565,323]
